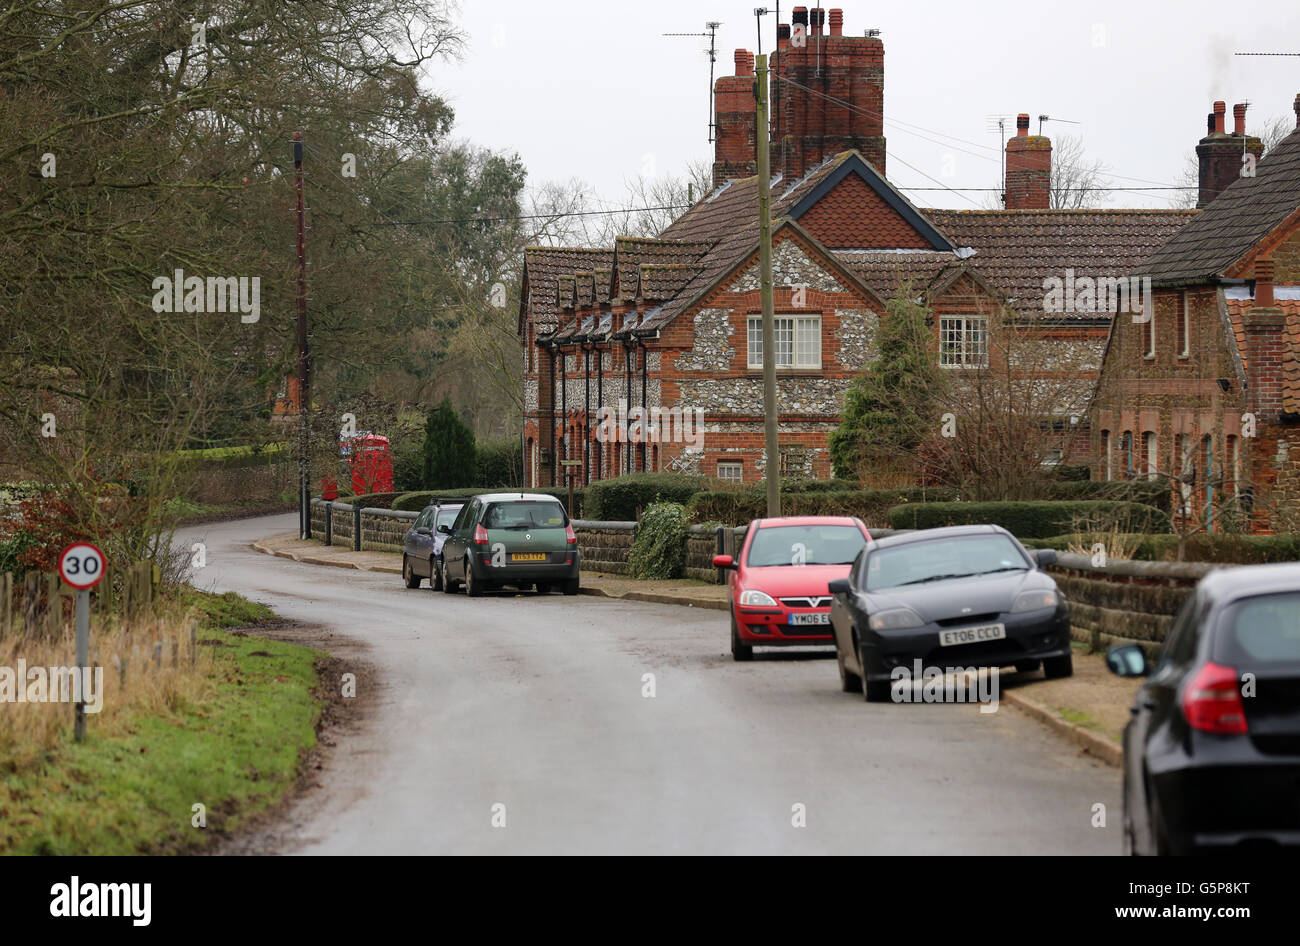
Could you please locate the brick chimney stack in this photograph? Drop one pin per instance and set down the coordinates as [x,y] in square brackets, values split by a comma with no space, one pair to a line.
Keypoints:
[1265,328]
[736,119]
[1029,169]
[1297,110]
[1219,154]
[827,96]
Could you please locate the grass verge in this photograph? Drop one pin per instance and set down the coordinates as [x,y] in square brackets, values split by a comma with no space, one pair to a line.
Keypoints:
[232,743]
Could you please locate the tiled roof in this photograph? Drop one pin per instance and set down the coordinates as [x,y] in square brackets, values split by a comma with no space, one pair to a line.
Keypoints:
[660,282]
[1235,222]
[885,273]
[1015,250]
[544,265]
[631,252]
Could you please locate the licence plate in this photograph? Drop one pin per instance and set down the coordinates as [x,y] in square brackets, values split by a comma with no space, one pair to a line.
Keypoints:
[973,635]
[527,556]
[824,618]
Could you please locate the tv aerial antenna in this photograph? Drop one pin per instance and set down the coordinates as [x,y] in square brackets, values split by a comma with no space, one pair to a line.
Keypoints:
[712,33]
[998,123]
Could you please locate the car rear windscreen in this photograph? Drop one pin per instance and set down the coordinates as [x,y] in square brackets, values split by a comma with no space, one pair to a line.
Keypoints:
[1263,630]
[805,545]
[524,514]
[938,559]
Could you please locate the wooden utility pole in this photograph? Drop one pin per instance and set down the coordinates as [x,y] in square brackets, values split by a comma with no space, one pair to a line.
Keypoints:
[304,390]
[773,470]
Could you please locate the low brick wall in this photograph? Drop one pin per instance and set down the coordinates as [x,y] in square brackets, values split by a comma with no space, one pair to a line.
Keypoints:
[236,484]
[605,546]
[1124,602]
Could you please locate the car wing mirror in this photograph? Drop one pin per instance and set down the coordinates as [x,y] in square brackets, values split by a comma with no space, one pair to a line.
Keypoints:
[723,561]
[1045,557]
[839,586]
[444,529]
[1127,660]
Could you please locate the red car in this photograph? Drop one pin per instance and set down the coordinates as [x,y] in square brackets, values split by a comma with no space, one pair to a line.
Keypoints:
[778,580]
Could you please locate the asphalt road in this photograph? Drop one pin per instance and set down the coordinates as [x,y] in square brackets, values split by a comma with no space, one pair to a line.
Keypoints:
[536,703]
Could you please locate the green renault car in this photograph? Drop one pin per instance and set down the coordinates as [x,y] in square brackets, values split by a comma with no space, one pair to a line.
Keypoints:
[523,540]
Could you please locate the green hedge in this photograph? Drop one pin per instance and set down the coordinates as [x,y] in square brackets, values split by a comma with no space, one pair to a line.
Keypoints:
[1225,549]
[232,457]
[1072,471]
[499,463]
[1148,492]
[373,500]
[870,505]
[618,499]
[659,551]
[415,501]
[1028,520]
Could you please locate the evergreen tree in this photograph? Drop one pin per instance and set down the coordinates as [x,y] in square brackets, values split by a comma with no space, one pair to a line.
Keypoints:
[893,407]
[449,450]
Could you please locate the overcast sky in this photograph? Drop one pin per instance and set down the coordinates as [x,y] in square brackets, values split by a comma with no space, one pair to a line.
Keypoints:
[592,89]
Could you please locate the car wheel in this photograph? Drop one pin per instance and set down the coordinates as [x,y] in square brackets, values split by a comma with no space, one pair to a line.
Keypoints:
[435,575]
[448,586]
[408,574]
[873,691]
[543,588]
[1057,668]
[1026,666]
[850,682]
[473,586]
[571,586]
[739,651]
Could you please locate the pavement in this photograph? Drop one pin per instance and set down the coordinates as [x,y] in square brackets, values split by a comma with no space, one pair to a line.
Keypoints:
[1089,709]
[523,723]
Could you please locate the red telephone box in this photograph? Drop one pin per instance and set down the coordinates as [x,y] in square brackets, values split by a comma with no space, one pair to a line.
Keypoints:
[372,465]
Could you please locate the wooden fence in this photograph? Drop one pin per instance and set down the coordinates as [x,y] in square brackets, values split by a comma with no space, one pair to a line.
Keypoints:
[41,603]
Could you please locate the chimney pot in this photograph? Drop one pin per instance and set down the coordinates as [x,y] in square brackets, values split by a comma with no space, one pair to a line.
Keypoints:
[742,62]
[1022,125]
[1297,110]
[1239,120]
[837,22]
[816,20]
[1209,124]
[1263,284]
[1220,110]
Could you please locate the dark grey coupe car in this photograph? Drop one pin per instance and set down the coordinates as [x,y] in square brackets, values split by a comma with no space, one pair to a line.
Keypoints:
[964,596]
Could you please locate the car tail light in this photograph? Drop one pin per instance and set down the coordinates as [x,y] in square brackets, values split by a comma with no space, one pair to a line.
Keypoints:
[570,535]
[1212,701]
[480,535]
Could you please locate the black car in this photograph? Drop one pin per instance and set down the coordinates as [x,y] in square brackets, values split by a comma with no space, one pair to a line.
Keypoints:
[422,544]
[1212,751]
[964,596]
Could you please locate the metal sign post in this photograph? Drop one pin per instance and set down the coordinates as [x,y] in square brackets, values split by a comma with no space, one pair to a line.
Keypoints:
[82,567]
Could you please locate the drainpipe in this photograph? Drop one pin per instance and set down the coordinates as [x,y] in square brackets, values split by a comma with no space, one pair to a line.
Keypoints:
[551,408]
[600,402]
[627,393]
[641,342]
[586,415]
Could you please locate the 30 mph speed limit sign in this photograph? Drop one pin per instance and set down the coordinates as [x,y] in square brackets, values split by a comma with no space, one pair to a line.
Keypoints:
[82,565]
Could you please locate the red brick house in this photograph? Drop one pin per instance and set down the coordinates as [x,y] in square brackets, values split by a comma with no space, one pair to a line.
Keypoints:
[1208,389]
[673,322]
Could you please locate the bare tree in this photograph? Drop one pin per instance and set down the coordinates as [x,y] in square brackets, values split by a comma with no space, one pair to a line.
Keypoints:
[1078,182]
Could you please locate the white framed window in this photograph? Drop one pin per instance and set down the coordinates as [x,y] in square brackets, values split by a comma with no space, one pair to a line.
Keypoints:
[964,341]
[1153,457]
[731,472]
[1149,333]
[1108,460]
[1187,470]
[1234,461]
[798,341]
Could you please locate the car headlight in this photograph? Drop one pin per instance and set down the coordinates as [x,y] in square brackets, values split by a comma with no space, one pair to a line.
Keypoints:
[1036,600]
[895,619]
[756,598]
